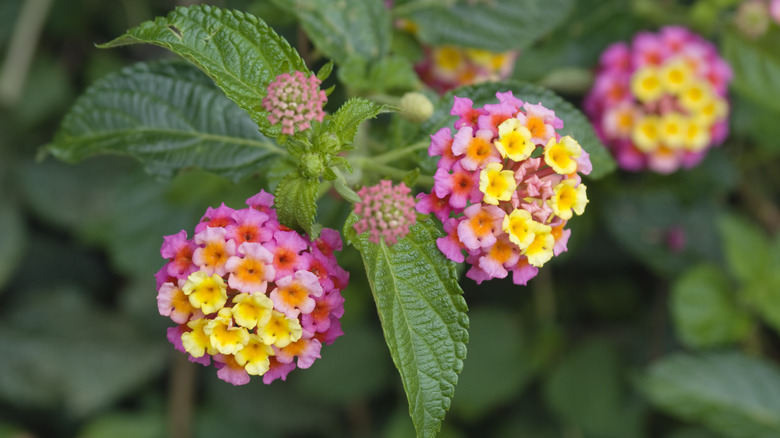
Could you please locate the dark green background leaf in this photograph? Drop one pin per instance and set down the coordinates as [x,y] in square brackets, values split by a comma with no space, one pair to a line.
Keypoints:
[423,316]
[497,25]
[344,29]
[169,116]
[705,308]
[756,65]
[237,50]
[733,394]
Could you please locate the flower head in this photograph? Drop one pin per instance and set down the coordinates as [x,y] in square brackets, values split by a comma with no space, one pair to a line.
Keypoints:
[386,212]
[446,67]
[516,222]
[246,289]
[294,101]
[672,100]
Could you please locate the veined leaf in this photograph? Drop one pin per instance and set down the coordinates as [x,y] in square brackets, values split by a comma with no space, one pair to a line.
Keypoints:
[237,50]
[496,25]
[732,394]
[169,116]
[346,121]
[423,316]
[344,29]
[296,202]
[575,123]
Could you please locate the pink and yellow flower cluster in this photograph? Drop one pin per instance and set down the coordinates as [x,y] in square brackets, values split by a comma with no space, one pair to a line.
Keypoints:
[448,67]
[660,102]
[506,185]
[251,294]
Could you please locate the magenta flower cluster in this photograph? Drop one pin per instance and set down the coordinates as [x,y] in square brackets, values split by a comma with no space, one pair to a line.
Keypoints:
[660,103]
[506,185]
[253,295]
[294,101]
[385,211]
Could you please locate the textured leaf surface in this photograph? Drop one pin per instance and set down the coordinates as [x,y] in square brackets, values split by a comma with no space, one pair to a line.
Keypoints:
[423,316]
[732,394]
[496,25]
[237,50]
[169,116]
[756,67]
[705,310]
[296,202]
[346,121]
[346,28]
[574,122]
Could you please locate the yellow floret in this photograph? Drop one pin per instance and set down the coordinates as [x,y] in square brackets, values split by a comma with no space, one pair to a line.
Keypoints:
[646,84]
[646,133]
[562,156]
[522,229]
[280,330]
[254,356]
[252,310]
[497,184]
[514,140]
[676,75]
[207,293]
[568,198]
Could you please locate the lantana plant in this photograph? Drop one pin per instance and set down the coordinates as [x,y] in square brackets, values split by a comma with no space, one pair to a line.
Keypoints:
[256,289]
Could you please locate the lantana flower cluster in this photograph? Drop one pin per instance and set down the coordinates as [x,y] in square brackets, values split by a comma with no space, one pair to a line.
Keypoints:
[506,185]
[294,101]
[446,67]
[250,294]
[660,102]
[385,211]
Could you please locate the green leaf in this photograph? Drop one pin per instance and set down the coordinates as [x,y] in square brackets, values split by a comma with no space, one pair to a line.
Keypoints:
[169,116]
[732,394]
[756,67]
[497,25]
[389,74]
[237,50]
[60,351]
[705,310]
[296,202]
[345,29]
[575,123]
[586,390]
[745,247]
[345,123]
[423,316]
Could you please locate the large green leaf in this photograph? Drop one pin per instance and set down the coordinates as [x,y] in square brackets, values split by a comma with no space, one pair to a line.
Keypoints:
[496,25]
[734,395]
[423,316]
[756,67]
[169,116]
[575,123]
[344,29]
[705,310]
[238,50]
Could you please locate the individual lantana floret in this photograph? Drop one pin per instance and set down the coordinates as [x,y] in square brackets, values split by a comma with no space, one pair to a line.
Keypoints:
[506,185]
[385,211]
[294,101]
[255,296]
[448,67]
[660,102]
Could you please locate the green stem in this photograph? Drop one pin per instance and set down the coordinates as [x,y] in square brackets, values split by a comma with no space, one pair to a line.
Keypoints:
[181,397]
[398,153]
[371,164]
[544,296]
[22,49]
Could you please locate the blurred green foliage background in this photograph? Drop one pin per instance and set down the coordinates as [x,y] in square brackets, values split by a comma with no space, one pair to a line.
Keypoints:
[662,320]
